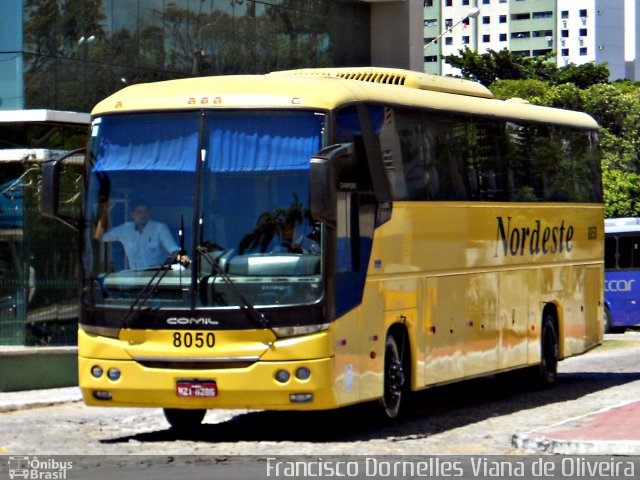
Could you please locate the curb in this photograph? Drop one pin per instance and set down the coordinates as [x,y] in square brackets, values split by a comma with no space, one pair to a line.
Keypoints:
[541,439]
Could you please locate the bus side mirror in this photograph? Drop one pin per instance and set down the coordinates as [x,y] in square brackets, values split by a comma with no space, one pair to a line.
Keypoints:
[50,188]
[327,168]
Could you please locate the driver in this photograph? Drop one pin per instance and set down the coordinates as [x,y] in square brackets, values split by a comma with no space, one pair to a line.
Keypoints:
[146,242]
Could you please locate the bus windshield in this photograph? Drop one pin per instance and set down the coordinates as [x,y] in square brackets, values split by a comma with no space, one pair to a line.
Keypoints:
[206,209]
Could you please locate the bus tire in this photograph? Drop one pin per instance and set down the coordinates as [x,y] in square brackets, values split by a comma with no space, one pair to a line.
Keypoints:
[394,380]
[546,373]
[183,420]
[607,320]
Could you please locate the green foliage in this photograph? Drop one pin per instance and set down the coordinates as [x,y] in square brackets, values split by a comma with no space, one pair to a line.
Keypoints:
[489,67]
[492,66]
[615,106]
[621,193]
[532,90]
[582,76]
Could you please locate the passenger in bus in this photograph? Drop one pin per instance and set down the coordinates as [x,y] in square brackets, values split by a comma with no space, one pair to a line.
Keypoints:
[292,241]
[146,242]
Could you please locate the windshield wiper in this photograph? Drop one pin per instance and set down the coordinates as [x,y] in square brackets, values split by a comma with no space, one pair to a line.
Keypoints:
[214,261]
[145,294]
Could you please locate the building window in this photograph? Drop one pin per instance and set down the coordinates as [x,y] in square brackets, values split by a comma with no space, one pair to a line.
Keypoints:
[485,2]
[564,14]
[503,19]
[465,2]
[545,14]
[583,51]
[486,20]
[448,23]
[428,3]
[542,33]
[486,38]
[448,41]
[503,37]
[431,59]
[583,12]
[520,16]
[564,33]
[431,22]
[465,39]
[522,53]
[427,41]
[565,52]
[583,32]
[541,52]
[448,3]
[520,34]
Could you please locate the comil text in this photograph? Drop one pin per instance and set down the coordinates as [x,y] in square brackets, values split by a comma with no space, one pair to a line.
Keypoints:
[516,240]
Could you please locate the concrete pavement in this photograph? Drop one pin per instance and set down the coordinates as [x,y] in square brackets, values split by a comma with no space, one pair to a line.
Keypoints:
[612,431]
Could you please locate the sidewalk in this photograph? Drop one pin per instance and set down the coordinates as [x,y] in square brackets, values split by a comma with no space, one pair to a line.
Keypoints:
[611,431]
[11,401]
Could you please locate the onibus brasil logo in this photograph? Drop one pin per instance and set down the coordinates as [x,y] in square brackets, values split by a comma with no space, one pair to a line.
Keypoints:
[38,469]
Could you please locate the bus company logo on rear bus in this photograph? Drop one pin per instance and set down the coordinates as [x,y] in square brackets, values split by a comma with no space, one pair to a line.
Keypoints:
[191,321]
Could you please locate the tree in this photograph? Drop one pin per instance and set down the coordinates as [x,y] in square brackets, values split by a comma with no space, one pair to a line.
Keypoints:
[492,66]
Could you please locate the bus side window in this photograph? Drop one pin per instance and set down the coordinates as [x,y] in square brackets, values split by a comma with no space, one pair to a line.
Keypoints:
[610,247]
[625,252]
[347,258]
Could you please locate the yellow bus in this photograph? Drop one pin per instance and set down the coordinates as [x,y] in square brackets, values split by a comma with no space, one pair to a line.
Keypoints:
[312,239]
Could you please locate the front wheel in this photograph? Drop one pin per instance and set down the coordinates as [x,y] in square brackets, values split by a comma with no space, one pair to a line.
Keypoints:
[184,420]
[607,320]
[394,379]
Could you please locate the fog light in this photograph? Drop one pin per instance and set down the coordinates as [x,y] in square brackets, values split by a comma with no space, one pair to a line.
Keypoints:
[113,374]
[303,373]
[282,376]
[102,395]
[96,371]
[301,397]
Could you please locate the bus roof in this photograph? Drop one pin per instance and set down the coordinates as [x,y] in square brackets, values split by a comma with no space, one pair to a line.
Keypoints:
[622,225]
[330,88]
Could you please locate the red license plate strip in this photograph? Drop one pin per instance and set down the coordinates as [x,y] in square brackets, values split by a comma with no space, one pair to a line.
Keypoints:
[196,388]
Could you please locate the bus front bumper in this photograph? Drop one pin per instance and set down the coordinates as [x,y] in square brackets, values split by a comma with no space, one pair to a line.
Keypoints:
[273,385]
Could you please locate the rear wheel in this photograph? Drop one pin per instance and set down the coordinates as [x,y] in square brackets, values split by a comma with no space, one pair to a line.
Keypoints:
[547,371]
[394,379]
[184,420]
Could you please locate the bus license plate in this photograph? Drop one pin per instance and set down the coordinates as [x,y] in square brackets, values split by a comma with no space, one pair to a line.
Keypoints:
[196,388]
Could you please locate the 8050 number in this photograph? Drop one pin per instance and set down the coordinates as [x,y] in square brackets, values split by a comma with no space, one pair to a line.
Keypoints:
[193,340]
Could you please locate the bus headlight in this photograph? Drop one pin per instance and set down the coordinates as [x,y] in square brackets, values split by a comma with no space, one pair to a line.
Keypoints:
[295,331]
[96,371]
[282,376]
[303,373]
[113,374]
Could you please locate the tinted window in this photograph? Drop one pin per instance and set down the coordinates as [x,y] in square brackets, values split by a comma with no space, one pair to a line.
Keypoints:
[431,156]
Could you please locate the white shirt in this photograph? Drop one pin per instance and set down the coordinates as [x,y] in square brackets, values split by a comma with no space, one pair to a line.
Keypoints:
[147,248]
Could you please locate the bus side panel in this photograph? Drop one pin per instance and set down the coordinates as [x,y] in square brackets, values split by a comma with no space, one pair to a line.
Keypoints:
[461,330]
[622,292]
[517,310]
[386,303]
[348,372]
[582,324]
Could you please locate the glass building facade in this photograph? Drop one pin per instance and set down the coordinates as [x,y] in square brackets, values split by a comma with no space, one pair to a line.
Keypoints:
[70,54]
